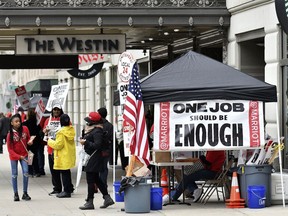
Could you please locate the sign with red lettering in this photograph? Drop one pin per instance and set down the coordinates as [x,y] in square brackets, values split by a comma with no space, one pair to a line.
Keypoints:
[202,125]
[23,97]
[39,110]
[89,59]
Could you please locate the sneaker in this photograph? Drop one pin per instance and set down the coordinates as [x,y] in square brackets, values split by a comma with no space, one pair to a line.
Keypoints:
[64,194]
[197,194]
[54,193]
[26,197]
[16,197]
[165,199]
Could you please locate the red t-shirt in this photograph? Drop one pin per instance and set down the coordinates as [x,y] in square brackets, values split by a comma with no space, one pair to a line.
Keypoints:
[216,158]
[16,148]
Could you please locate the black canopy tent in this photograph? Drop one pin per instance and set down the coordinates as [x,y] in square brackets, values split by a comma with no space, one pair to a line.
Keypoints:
[197,77]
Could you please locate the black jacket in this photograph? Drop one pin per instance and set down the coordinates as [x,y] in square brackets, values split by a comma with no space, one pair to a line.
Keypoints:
[4,126]
[108,134]
[94,141]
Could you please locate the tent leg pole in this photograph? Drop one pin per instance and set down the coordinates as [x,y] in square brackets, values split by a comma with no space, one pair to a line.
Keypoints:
[279,149]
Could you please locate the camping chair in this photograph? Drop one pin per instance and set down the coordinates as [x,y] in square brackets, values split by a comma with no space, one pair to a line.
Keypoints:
[221,180]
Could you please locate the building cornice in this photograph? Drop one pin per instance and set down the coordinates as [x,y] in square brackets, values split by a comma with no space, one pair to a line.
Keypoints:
[248,6]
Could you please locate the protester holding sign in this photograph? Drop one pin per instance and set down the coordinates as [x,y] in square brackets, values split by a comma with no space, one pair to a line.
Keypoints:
[17,140]
[65,153]
[51,126]
[213,163]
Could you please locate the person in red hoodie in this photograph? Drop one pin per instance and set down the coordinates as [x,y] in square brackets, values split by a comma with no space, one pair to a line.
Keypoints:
[17,140]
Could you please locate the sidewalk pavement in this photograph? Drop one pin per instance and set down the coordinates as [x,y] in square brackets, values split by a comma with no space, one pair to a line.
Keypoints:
[43,204]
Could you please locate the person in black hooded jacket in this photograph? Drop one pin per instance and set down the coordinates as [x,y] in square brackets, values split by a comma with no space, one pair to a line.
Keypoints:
[94,145]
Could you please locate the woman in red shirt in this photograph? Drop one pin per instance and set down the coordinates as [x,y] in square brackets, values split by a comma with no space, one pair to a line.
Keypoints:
[213,164]
[17,140]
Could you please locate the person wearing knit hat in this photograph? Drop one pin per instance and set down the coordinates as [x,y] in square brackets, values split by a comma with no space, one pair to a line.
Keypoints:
[103,112]
[93,142]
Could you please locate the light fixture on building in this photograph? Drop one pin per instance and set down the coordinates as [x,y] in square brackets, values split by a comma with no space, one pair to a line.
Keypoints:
[142,41]
[150,39]
[176,30]
[166,33]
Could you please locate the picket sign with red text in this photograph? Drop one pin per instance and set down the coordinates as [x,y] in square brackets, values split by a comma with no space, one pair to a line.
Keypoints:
[23,97]
[125,65]
[39,110]
[90,59]
[213,124]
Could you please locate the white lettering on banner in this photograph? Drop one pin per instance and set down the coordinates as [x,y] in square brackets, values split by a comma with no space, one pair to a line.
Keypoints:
[254,124]
[164,125]
[219,124]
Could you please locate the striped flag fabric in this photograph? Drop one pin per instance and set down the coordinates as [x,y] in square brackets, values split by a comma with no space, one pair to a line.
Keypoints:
[134,115]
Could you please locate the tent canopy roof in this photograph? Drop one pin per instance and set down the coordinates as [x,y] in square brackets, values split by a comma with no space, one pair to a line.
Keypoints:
[196,77]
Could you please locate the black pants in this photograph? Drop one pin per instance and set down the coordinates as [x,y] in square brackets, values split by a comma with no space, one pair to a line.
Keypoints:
[104,173]
[66,179]
[55,174]
[34,168]
[41,159]
[56,177]
[93,178]
[1,143]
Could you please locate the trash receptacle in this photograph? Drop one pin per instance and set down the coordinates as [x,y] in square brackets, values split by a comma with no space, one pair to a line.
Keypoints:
[255,175]
[137,198]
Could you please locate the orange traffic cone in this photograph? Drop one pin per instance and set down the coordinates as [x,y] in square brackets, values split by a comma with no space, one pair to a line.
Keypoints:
[164,182]
[235,201]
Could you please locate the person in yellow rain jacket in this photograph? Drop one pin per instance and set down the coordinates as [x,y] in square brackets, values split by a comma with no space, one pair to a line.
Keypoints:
[64,153]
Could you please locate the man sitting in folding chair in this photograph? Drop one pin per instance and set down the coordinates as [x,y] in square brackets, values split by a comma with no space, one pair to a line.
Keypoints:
[213,163]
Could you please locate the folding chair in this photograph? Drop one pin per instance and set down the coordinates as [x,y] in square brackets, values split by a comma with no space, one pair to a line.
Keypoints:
[221,180]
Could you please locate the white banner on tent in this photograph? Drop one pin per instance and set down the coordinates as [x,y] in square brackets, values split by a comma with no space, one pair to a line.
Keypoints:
[218,124]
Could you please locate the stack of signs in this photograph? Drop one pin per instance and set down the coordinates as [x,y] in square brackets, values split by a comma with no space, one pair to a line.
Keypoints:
[264,155]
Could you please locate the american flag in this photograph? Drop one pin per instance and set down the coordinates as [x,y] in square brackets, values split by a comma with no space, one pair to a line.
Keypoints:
[134,115]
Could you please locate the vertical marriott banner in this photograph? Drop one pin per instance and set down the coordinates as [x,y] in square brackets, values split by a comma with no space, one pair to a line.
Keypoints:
[215,124]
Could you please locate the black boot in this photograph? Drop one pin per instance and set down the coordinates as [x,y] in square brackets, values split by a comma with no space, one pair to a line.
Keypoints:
[88,205]
[16,197]
[26,196]
[107,201]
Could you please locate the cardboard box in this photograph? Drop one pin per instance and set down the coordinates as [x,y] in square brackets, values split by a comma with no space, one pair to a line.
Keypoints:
[143,171]
[159,157]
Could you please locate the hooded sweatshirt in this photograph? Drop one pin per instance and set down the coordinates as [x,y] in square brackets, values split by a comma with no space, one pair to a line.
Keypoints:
[64,148]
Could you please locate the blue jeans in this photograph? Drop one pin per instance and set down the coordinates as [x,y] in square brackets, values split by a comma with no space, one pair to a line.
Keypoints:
[189,181]
[14,168]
